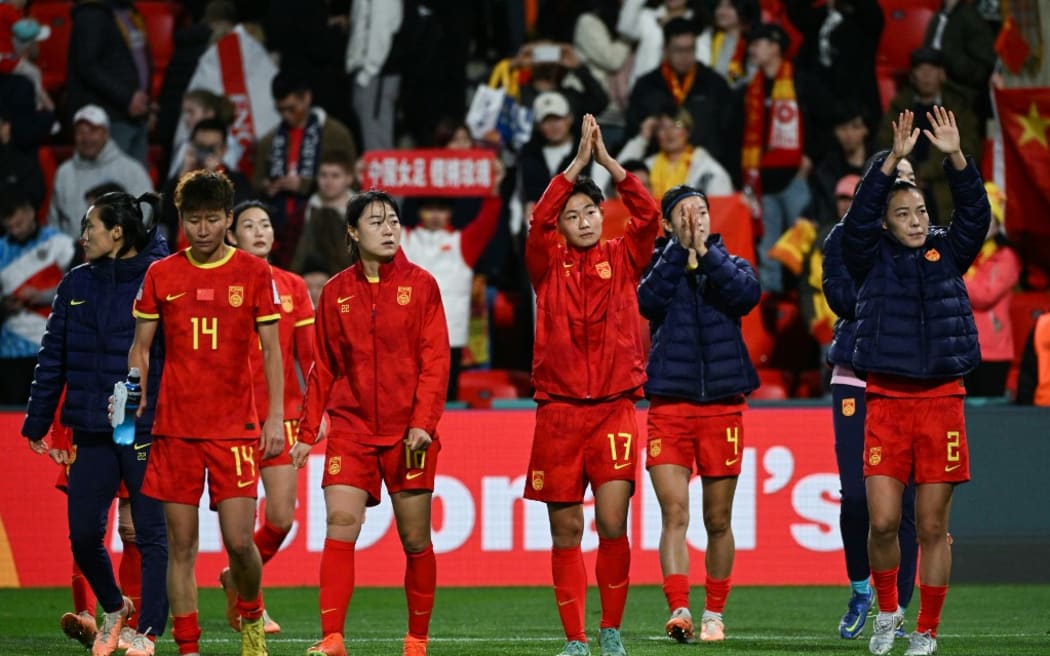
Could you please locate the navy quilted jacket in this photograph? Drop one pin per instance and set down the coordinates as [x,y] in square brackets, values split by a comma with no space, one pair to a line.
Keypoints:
[913,314]
[86,345]
[698,353]
[841,294]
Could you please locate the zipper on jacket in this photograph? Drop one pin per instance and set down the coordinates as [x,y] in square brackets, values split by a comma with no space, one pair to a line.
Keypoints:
[922,315]
[375,366]
[697,295]
[586,324]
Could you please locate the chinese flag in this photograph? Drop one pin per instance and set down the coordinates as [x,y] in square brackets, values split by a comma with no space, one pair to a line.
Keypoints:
[1024,121]
[1011,46]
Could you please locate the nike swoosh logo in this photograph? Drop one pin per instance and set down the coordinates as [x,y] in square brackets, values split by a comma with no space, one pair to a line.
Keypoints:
[245,483]
[951,468]
[76,302]
[421,612]
[621,465]
[344,299]
[325,611]
[139,447]
[566,603]
[616,587]
[409,476]
[730,463]
[172,297]
[567,265]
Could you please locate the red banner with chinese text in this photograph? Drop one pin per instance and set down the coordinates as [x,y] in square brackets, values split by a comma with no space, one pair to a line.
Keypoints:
[785,518]
[430,172]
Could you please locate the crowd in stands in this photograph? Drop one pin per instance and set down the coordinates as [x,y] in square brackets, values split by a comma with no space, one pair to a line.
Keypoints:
[778,103]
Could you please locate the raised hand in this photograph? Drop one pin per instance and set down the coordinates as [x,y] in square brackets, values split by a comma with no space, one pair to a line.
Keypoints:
[904,134]
[945,133]
[585,150]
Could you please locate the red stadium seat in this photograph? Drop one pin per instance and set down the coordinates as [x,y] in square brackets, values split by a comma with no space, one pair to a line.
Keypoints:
[48,167]
[887,82]
[160,27]
[905,28]
[479,387]
[773,385]
[54,52]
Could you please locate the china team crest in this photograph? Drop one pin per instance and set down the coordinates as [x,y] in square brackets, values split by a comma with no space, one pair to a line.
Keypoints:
[874,455]
[849,407]
[286,303]
[604,270]
[654,448]
[404,295]
[537,480]
[236,295]
[335,465]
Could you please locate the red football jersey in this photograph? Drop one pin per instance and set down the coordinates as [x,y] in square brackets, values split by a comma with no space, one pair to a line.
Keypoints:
[297,343]
[209,314]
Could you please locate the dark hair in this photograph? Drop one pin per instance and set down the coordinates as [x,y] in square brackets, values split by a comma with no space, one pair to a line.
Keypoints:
[747,11]
[219,106]
[118,208]
[634,165]
[220,10]
[13,198]
[357,206]
[100,190]
[243,206]
[589,188]
[678,27]
[204,190]
[898,186]
[313,263]
[287,82]
[446,129]
[677,194]
[210,125]
[338,156]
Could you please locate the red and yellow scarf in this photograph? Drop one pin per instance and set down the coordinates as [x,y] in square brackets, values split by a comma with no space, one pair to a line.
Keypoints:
[771,139]
[736,68]
[679,88]
[665,175]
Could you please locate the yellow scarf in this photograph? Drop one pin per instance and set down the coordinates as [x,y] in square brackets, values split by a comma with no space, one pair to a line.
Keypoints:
[987,250]
[665,175]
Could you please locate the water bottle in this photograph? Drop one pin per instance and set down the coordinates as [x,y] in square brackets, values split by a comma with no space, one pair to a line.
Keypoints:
[126,397]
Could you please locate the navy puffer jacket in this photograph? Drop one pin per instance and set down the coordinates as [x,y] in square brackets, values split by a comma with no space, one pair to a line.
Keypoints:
[85,348]
[698,353]
[841,294]
[913,314]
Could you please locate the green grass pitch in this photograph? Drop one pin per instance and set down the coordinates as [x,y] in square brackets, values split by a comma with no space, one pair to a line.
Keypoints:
[979,620]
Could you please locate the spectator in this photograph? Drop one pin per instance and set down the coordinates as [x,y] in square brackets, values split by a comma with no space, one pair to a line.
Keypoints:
[29,125]
[555,67]
[676,161]
[33,259]
[552,147]
[316,274]
[968,45]
[723,45]
[607,57]
[288,157]
[1033,379]
[989,284]
[373,59]
[25,35]
[324,230]
[839,42]
[109,66]
[96,159]
[450,255]
[18,171]
[845,157]
[206,150]
[681,82]
[927,88]
[197,105]
[645,26]
[10,12]
[190,43]
[782,109]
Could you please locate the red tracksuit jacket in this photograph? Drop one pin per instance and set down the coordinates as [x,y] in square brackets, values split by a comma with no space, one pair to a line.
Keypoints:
[588,335]
[381,356]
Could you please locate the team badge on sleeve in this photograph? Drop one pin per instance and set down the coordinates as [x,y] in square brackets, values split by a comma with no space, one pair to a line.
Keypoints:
[604,270]
[849,407]
[874,456]
[537,480]
[404,295]
[236,296]
[286,303]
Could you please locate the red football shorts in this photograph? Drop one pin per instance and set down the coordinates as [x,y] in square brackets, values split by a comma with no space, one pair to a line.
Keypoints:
[576,444]
[291,431]
[176,468]
[366,466]
[921,436]
[715,443]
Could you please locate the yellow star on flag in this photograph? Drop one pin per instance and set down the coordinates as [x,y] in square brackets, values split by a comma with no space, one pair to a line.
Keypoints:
[1034,125]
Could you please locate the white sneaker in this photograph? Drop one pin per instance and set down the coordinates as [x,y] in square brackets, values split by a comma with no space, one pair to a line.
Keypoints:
[882,635]
[921,644]
[127,634]
[712,627]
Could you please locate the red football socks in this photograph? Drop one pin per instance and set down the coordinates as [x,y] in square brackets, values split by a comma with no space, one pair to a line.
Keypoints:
[570,590]
[420,582]
[886,589]
[676,591]
[250,609]
[130,573]
[83,596]
[268,540]
[931,601]
[187,631]
[717,591]
[337,584]
[611,570]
